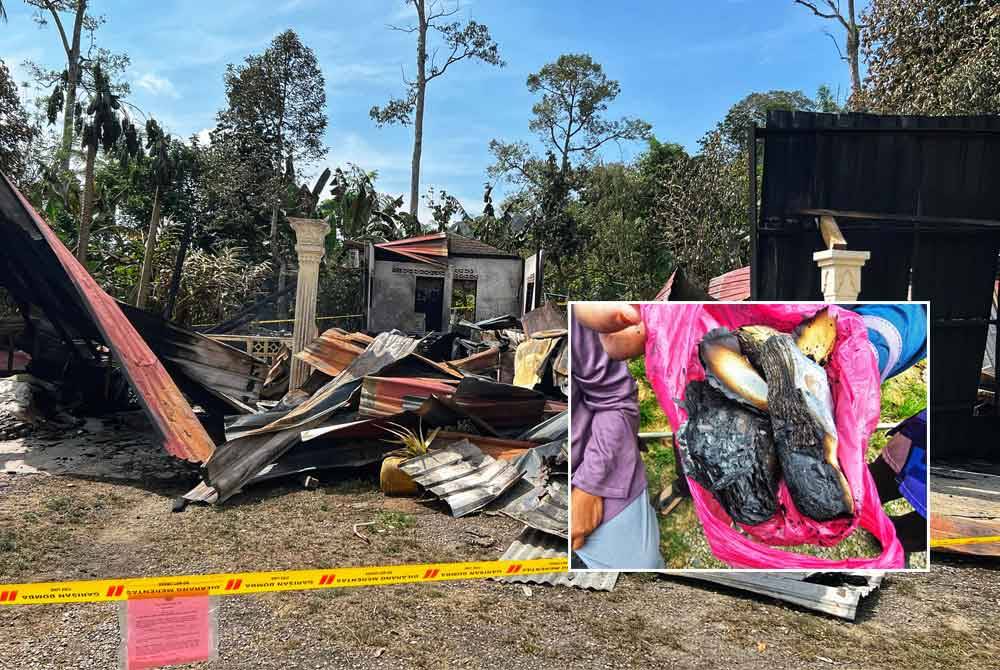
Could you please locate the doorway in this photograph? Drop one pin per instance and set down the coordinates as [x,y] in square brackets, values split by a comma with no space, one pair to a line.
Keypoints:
[429,301]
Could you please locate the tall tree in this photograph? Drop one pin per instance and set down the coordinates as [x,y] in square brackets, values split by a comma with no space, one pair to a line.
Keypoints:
[932,57]
[830,10]
[701,210]
[277,102]
[16,130]
[472,41]
[569,119]
[72,19]
[102,128]
[752,111]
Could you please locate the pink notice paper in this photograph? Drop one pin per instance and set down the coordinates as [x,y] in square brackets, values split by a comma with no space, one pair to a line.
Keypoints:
[159,632]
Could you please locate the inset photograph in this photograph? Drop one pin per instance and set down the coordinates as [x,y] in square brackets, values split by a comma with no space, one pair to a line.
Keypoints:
[759,436]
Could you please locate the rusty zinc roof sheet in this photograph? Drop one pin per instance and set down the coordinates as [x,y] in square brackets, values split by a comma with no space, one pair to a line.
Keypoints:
[431,248]
[733,285]
[176,426]
[386,396]
[334,350]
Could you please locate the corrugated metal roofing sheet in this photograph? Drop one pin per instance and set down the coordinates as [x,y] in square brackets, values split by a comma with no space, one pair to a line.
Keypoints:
[531,544]
[543,508]
[734,285]
[42,259]
[461,475]
[237,461]
[334,350]
[480,362]
[498,447]
[431,248]
[386,396]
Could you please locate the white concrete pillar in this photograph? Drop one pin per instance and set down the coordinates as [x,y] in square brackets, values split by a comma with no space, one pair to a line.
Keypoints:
[840,273]
[310,245]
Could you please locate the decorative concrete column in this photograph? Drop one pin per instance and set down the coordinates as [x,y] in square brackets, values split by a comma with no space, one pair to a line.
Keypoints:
[310,245]
[840,273]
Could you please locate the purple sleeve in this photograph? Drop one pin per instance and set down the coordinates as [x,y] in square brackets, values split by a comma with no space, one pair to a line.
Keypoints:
[605,420]
[610,457]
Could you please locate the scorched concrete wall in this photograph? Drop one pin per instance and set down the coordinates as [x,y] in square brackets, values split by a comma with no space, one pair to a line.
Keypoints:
[393,287]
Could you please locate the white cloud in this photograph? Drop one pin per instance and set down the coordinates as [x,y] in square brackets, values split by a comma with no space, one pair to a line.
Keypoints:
[344,73]
[204,136]
[157,85]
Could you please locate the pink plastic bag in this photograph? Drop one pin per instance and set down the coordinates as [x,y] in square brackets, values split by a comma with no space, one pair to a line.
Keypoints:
[673,333]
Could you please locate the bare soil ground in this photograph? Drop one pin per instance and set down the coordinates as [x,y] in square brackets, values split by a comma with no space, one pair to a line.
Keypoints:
[78,527]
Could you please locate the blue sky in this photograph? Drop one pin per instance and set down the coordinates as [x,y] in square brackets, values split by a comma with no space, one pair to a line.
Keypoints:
[681,65]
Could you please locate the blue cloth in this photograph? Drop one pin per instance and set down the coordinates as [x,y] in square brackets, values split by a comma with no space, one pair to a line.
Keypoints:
[629,541]
[912,479]
[898,332]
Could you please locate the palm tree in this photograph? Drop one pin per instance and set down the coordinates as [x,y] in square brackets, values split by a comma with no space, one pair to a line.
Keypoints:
[102,129]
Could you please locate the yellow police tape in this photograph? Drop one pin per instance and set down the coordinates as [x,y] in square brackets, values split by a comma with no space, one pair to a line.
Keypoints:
[954,541]
[231,584]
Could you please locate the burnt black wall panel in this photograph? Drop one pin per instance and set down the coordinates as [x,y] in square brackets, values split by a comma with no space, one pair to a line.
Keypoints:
[909,165]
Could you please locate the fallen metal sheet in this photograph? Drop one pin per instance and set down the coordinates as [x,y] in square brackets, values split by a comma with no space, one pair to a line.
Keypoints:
[497,447]
[463,477]
[40,270]
[324,455]
[502,406]
[543,461]
[386,349]
[532,544]
[438,346]
[276,382]
[544,508]
[202,493]
[241,425]
[547,317]
[551,430]
[237,461]
[386,396]
[541,499]
[530,361]
[353,426]
[483,361]
[221,370]
[840,600]
[334,350]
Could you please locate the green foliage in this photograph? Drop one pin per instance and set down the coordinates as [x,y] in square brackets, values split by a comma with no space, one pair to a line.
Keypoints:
[213,285]
[905,394]
[931,57]
[752,111]
[358,212]
[16,130]
[444,208]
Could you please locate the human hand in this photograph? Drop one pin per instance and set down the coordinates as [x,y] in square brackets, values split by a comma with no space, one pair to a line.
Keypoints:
[588,511]
[619,324]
